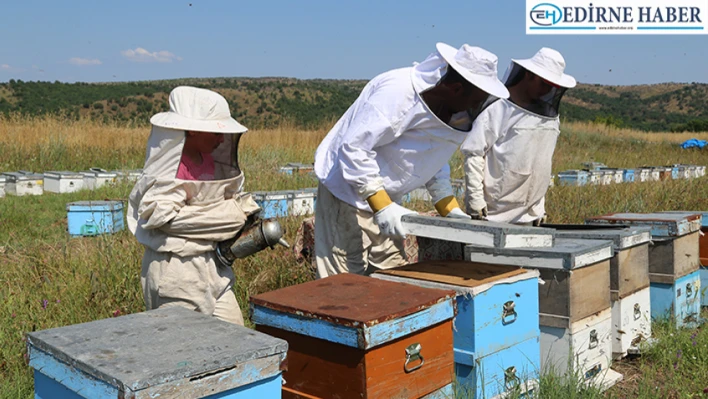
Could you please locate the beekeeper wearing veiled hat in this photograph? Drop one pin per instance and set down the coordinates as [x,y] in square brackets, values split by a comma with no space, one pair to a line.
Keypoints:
[509,151]
[397,136]
[188,198]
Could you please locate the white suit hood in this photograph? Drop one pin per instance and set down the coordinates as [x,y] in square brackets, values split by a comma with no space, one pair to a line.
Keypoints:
[186,217]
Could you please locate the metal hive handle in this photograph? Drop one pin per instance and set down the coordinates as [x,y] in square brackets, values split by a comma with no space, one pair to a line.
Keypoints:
[412,355]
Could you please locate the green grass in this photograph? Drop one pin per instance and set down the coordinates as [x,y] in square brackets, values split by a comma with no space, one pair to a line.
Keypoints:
[84,279]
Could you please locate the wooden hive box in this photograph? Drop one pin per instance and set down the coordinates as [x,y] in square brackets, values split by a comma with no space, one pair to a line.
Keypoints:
[629,267]
[629,281]
[674,249]
[352,336]
[575,275]
[165,353]
[496,337]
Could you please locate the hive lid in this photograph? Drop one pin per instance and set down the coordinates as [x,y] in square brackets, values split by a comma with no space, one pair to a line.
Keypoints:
[351,299]
[475,232]
[662,224]
[142,350]
[566,253]
[461,276]
[22,176]
[64,174]
[622,237]
[704,215]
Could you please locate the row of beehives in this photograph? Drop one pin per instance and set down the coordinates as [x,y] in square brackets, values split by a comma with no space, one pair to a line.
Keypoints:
[601,284]
[602,175]
[426,330]
[24,182]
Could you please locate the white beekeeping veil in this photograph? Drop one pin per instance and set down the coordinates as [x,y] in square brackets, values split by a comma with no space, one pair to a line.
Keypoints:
[195,110]
[549,65]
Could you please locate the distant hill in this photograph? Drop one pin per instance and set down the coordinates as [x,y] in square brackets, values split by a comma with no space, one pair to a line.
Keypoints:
[265,102]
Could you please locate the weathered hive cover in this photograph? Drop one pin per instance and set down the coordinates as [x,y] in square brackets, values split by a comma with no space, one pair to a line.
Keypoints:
[662,224]
[353,310]
[621,237]
[474,232]
[566,253]
[168,346]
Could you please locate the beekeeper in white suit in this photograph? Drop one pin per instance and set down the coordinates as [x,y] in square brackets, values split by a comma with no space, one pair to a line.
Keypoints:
[188,198]
[509,152]
[397,136]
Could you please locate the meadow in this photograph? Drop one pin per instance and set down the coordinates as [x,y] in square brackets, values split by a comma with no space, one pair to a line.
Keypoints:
[48,279]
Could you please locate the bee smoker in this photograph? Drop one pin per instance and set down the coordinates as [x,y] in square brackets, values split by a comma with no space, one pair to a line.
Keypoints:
[255,237]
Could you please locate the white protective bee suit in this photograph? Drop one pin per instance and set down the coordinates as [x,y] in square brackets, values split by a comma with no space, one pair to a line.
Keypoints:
[509,152]
[180,221]
[390,142]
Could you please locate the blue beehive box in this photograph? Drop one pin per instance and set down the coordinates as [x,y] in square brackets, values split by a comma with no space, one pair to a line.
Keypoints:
[496,337]
[274,204]
[628,176]
[679,301]
[165,353]
[573,178]
[675,172]
[90,218]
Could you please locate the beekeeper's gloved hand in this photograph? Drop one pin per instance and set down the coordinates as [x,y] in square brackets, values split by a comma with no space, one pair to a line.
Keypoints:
[480,214]
[387,214]
[457,213]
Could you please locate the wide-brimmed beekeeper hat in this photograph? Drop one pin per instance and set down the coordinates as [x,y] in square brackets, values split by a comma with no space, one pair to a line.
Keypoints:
[198,110]
[549,64]
[477,65]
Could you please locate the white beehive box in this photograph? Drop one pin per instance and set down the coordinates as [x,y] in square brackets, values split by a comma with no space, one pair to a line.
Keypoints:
[24,183]
[128,175]
[584,349]
[631,322]
[63,182]
[97,177]
[303,202]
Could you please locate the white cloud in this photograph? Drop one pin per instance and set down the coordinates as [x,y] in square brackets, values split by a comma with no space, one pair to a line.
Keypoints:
[84,61]
[10,68]
[142,55]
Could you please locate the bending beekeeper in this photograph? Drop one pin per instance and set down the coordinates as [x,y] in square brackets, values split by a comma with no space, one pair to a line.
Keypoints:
[508,154]
[397,136]
[188,198]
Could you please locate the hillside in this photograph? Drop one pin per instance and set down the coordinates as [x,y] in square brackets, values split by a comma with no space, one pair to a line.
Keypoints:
[267,102]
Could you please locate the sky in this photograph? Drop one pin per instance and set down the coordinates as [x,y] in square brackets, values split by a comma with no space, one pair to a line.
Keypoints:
[107,41]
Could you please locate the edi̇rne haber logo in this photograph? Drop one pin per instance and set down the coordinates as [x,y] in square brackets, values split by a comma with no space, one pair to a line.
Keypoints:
[634,17]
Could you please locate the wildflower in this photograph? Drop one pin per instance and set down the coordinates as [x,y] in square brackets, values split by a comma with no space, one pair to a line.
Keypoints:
[678,354]
[44,303]
[116,313]
[58,300]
